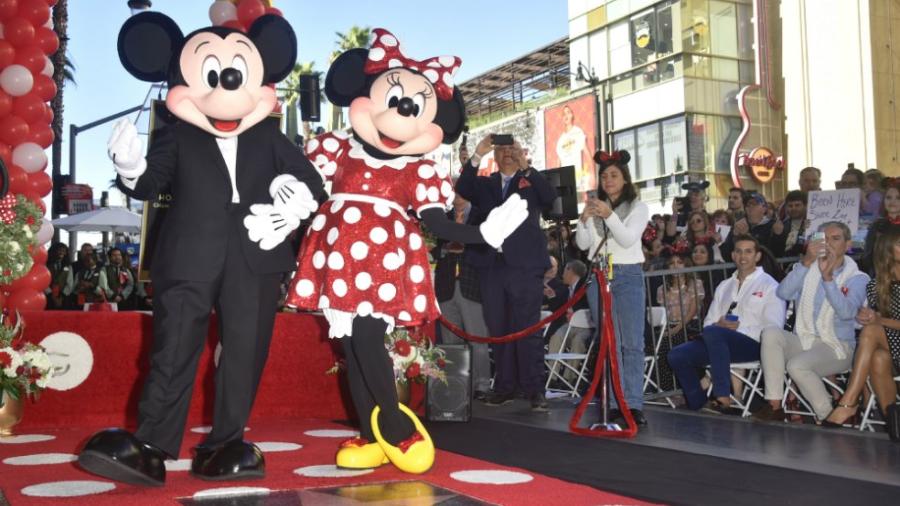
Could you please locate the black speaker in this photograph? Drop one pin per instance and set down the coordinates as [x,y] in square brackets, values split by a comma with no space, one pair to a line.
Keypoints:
[565,205]
[451,402]
[309,104]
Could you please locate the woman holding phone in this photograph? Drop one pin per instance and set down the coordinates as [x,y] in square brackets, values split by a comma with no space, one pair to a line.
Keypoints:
[614,214]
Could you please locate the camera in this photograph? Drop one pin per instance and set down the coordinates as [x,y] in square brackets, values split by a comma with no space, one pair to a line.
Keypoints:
[502,139]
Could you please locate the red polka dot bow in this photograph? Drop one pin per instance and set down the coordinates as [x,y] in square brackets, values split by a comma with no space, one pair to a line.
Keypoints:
[384,54]
[7,206]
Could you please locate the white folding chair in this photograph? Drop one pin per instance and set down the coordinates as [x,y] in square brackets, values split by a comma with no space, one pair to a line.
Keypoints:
[867,422]
[803,408]
[750,375]
[657,321]
[544,315]
[561,361]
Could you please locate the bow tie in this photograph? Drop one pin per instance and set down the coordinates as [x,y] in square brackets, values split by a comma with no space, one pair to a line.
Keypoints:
[384,54]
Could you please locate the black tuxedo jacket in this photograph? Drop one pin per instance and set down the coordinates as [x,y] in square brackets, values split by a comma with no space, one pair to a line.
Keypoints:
[561,297]
[446,264]
[186,161]
[527,246]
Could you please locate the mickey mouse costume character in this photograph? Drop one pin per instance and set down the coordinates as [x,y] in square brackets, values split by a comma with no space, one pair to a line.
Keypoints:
[221,161]
[363,262]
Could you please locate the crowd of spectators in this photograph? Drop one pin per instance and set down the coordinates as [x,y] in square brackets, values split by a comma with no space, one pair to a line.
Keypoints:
[92,281]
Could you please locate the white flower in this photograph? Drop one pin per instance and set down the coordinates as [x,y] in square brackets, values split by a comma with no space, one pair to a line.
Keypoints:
[15,361]
[15,246]
[28,232]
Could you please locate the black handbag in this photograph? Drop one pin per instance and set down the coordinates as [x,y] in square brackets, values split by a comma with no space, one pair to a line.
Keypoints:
[892,419]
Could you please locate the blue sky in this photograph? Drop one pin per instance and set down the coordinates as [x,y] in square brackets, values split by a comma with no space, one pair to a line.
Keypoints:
[483,34]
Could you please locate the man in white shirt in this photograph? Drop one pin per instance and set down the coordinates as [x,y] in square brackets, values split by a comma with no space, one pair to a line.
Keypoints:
[744,305]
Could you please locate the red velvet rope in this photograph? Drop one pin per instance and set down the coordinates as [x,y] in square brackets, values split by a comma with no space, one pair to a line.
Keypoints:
[515,336]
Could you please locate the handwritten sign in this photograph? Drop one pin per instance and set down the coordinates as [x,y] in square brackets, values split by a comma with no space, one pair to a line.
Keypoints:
[834,205]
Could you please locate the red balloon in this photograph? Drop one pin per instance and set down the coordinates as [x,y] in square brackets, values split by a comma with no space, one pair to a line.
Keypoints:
[237,25]
[51,3]
[41,134]
[31,57]
[19,32]
[29,107]
[8,9]
[37,278]
[27,299]
[6,155]
[7,54]
[18,180]
[47,115]
[2,300]
[13,130]
[39,183]
[37,12]
[6,103]
[44,87]
[38,254]
[274,11]
[249,10]
[46,39]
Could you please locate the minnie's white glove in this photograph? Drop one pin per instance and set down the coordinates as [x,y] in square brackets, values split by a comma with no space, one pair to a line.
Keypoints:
[292,197]
[504,220]
[269,227]
[126,150]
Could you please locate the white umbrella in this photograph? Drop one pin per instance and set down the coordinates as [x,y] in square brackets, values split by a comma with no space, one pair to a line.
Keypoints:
[105,219]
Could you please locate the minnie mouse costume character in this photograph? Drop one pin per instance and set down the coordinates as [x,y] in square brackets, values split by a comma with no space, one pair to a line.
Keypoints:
[223,165]
[363,262]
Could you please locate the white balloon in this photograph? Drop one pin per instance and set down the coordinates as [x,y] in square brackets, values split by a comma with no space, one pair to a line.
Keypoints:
[30,157]
[16,80]
[222,11]
[45,233]
[48,68]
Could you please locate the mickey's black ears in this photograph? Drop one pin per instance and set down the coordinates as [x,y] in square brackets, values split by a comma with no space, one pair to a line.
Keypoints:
[277,45]
[345,79]
[147,44]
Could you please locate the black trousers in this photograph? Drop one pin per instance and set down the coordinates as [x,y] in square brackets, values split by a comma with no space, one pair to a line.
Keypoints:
[245,304]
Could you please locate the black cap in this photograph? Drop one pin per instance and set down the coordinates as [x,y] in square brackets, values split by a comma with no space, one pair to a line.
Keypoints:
[695,186]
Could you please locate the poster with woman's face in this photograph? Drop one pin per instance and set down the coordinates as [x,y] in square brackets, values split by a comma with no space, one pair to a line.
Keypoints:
[570,139]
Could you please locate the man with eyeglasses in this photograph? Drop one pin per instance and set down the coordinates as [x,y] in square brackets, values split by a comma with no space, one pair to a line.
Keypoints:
[744,305]
[755,223]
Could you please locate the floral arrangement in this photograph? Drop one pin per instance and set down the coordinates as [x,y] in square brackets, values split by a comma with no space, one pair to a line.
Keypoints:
[415,357]
[25,368]
[19,222]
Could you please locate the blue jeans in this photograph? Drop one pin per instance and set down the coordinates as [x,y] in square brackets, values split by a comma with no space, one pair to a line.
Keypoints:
[628,301]
[718,348]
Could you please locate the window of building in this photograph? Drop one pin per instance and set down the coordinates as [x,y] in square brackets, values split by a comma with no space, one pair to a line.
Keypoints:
[710,141]
[723,33]
[643,38]
[674,145]
[745,37]
[648,166]
[625,141]
[666,30]
[619,48]
[598,54]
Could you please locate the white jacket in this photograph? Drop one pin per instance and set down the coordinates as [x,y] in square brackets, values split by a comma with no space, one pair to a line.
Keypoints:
[758,307]
[624,242]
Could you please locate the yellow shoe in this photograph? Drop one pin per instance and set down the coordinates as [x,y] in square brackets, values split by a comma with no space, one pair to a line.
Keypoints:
[359,453]
[413,455]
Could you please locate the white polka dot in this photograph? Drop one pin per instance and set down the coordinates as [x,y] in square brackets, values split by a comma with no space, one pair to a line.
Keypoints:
[359,250]
[330,471]
[312,145]
[365,308]
[329,168]
[323,302]
[392,261]
[394,63]
[378,235]
[387,292]
[332,235]
[304,288]
[331,144]
[421,192]
[40,459]
[419,303]
[388,40]
[337,205]
[434,64]
[352,215]
[434,194]
[203,429]
[331,433]
[341,134]
[73,488]
[335,261]
[382,210]
[275,446]
[376,54]
[404,316]
[178,465]
[318,222]
[231,492]
[446,61]
[339,287]
[367,175]
[415,241]
[399,229]
[491,477]
[426,171]
[416,273]
[25,438]
[446,189]
[320,160]
[363,281]
[318,259]
[365,187]
[448,79]
[431,75]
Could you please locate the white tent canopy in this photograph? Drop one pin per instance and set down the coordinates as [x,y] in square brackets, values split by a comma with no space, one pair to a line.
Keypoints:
[105,219]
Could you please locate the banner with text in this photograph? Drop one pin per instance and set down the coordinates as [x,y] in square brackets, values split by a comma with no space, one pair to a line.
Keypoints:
[833,205]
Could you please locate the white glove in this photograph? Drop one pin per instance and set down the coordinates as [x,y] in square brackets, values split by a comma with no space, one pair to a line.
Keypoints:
[292,196]
[126,150]
[504,220]
[269,227]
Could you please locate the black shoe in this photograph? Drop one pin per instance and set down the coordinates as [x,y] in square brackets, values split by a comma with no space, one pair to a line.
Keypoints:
[539,402]
[714,407]
[480,395]
[613,416]
[639,417]
[118,455]
[237,460]
[498,399]
[768,414]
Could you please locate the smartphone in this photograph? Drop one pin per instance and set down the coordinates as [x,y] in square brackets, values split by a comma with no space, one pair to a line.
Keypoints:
[502,139]
[592,194]
[819,236]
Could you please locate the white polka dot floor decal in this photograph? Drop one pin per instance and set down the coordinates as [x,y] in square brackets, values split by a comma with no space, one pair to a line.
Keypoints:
[26,438]
[230,491]
[40,459]
[332,433]
[491,477]
[178,465]
[330,471]
[275,446]
[68,488]
[206,429]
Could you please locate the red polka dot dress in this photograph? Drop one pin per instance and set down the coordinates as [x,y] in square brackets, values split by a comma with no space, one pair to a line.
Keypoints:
[362,254]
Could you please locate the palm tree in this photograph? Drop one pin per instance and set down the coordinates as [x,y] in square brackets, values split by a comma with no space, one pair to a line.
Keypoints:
[63,72]
[291,95]
[354,38]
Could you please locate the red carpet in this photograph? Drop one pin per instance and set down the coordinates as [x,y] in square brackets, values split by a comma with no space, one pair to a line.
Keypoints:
[40,465]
